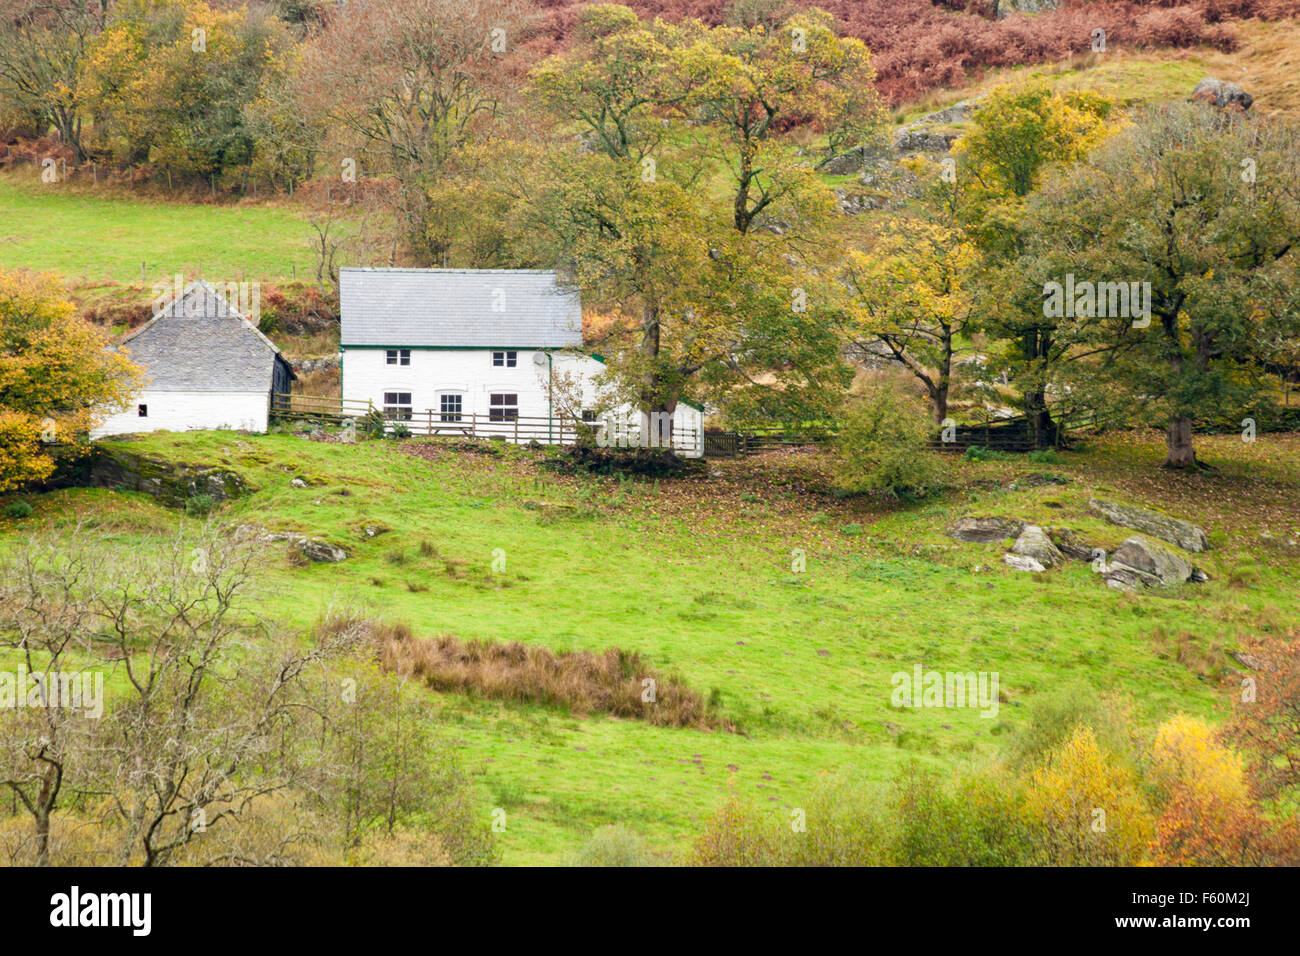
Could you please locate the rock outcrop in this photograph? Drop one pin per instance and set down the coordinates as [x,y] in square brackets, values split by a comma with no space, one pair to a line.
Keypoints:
[982,530]
[1020,562]
[1072,544]
[1184,534]
[316,550]
[1222,94]
[1007,7]
[170,483]
[1033,542]
[911,139]
[1140,562]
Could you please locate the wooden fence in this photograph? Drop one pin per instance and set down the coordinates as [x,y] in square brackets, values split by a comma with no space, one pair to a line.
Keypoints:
[519,429]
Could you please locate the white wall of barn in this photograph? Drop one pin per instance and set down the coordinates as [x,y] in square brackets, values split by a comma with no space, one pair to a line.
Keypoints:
[469,373]
[187,411]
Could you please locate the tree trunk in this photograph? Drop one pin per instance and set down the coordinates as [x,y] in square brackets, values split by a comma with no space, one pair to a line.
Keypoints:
[1035,347]
[1178,443]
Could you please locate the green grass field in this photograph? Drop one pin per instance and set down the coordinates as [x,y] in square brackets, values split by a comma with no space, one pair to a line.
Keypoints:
[90,236]
[697,575]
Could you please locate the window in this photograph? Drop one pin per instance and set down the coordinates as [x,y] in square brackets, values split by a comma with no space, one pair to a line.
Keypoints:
[450,407]
[399,356]
[142,411]
[503,407]
[505,359]
[397,406]
[588,414]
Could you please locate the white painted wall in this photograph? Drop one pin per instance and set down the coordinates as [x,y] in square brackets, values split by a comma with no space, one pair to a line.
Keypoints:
[188,411]
[471,374]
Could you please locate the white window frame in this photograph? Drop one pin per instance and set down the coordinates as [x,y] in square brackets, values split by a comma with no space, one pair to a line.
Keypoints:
[397,405]
[449,416]
[503,408]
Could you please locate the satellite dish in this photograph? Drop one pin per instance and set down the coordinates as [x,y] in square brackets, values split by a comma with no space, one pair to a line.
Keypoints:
[540,359]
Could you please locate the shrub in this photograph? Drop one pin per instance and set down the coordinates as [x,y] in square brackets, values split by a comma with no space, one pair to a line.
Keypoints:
[737,835]
[19,510]
[372,424]
[399,431]
[1044,456]
[1086,808]
[616,846]
[1054,719]
[200,505]
[882,447]
[982,822]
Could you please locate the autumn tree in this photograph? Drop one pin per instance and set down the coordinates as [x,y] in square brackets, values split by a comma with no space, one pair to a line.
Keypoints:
[1087,807]
[759,82]
[220,737]
[1195,214]
[913,293]
[56,379]
[44,45]
[1266,724]
[1019,134]
[172,80]
[1209,816]
[707,302]
[408,83]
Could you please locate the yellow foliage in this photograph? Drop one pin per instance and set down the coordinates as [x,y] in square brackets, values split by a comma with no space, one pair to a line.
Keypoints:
[56,378]
[1185,755]
[1087,807]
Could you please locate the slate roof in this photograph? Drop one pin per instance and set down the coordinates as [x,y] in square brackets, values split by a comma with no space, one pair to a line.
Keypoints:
[199,342]
[458,307]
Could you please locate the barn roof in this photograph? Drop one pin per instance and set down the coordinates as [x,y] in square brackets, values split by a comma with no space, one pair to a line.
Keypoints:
[199,342]
[458,308]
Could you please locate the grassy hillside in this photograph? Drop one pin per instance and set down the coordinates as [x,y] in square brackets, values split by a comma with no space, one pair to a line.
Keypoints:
[696,575]
[90,236]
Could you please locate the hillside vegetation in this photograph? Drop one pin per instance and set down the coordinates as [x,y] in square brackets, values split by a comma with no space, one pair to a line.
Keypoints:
[696,577]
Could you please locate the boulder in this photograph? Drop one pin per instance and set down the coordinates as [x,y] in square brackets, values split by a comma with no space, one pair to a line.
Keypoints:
[1020,562]
[959,112]
[1141,562]
[982,530]
[909,139]
[1007,7]
[319,552]
[1173,530]
[1033,542]
[1072,545]
[1222,94]
[313,549]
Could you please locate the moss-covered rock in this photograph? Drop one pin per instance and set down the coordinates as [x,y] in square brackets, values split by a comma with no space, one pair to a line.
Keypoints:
[173,484]
[1173,530]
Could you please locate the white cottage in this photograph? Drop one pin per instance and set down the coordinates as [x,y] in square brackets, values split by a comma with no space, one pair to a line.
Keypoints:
[206,367]
[478,352]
